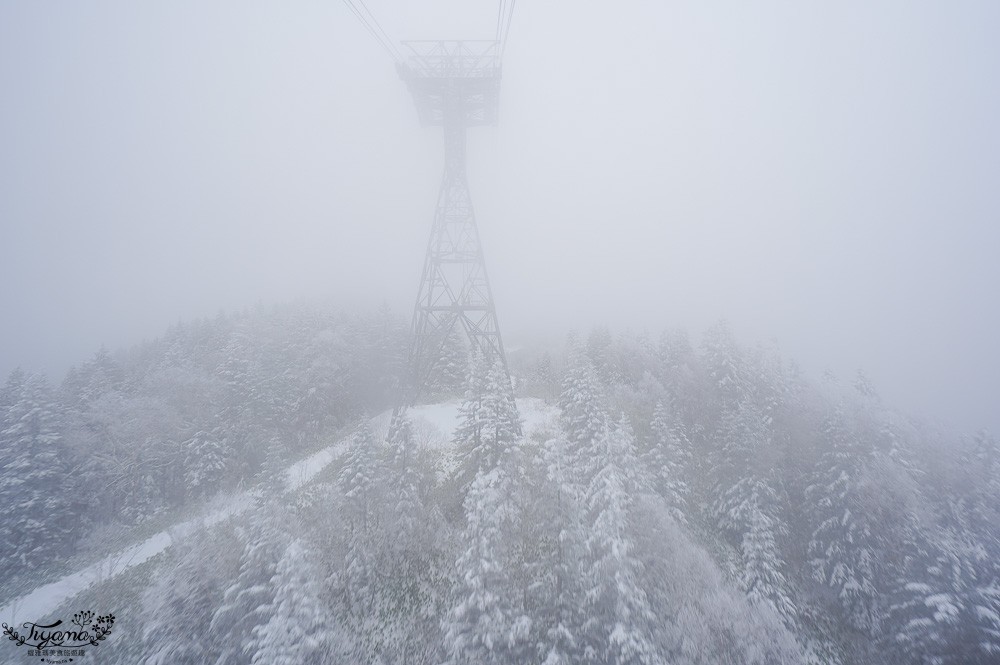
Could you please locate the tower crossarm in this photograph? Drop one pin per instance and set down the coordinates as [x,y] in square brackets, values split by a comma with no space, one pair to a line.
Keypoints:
[453,82]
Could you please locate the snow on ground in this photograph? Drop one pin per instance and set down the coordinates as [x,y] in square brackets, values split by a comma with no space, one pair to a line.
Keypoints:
[47,598]
[303,471]
[435,423]
[536,414]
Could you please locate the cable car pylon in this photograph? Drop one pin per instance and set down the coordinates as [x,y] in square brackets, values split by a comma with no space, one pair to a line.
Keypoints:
[456,85]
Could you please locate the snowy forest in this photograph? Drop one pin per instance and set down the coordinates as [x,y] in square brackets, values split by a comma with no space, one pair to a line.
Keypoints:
[632,499]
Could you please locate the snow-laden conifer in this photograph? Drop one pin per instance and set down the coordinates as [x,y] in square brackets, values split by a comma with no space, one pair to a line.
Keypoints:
[668,460]
[37,517]
[842,548]
[247,601]
[562,507]
[488,418]
[617,626]
[582,407]
[488,624]
[297,632]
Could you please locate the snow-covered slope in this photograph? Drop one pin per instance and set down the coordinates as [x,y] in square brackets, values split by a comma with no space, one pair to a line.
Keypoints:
[437,421]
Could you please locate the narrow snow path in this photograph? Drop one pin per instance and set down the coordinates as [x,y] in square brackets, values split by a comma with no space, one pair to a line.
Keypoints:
[47,598]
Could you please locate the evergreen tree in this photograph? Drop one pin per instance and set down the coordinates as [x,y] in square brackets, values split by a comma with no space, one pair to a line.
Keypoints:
[404,477]
[668,460]
[488,623]
[545,377]
[297,632]
[365,581]
[206,459]
[763,579]
[842,549]
[410,576]
[35,483]
[183,596]
[360,476]
[449,371]
[488,419]
[582,407]
[247,601]
[561,611]
[273,476]
[619,618]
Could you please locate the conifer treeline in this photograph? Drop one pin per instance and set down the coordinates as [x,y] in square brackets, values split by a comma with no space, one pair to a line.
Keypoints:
[127,436]
[690,505]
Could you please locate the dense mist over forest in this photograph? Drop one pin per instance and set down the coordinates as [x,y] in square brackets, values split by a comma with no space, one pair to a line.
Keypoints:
[744,261]
[664,502]
[821,176]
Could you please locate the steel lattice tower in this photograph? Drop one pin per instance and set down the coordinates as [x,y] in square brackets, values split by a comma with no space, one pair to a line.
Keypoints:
[456,85]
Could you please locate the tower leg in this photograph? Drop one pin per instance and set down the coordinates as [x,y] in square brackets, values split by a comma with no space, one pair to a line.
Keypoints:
[454,286]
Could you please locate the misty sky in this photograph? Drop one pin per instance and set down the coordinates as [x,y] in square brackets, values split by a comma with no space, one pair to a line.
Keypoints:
[824,176]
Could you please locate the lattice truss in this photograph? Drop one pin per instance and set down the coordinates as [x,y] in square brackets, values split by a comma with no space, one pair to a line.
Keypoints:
[455,85]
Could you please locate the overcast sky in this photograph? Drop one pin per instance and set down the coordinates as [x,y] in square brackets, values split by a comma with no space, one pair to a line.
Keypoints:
[826,175]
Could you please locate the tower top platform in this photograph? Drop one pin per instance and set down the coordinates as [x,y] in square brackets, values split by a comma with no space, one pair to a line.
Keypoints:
[454,83]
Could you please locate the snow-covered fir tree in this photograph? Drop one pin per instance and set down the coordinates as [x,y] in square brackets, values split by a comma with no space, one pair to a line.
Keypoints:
[763,578]
[298,630]
[35,482]
[842,549]
[206,457]
[583,409]
[562,600]
[619,618]
[361,483]
[247,602]
[182,598]
[488,418]
[487,621]
[412,578]
[448,374]
[668,460]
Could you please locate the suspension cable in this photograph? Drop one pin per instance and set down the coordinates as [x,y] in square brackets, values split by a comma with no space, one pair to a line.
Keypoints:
[385,36]
[505,31]
[500,14]
[374,28]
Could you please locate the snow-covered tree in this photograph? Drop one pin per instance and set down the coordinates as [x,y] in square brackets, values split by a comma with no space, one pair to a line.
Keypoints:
[360,476]
[762,578]
[561,606]
[247,601]
[619,617]
[488,418]
[842,549]
[448,373]
[583,410]
[297,632]
[411,594]
[184,595]
[545,377]
[35,483]
[403,476]
[668,461]
[273,479]
[206,458]
[488,623]
[361,482]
